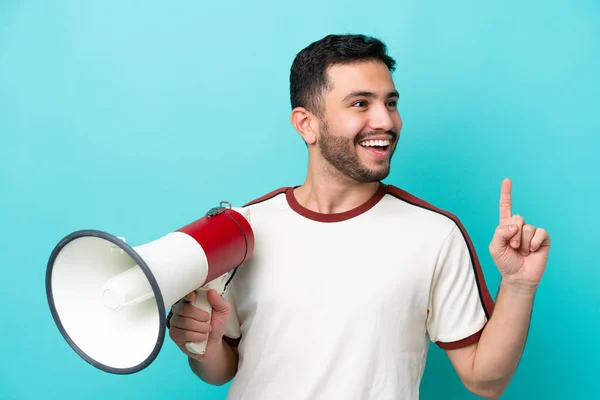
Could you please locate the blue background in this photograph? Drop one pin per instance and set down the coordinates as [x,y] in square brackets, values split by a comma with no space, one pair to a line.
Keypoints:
[136,117]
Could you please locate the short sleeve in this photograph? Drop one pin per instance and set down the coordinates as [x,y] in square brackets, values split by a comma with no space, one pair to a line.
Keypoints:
[460,304]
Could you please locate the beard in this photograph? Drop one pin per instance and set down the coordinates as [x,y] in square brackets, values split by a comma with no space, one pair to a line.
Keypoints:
[340,153]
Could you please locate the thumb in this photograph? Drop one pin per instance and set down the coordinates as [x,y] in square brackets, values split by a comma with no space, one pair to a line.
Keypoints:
[502,237]
[220,314]
[217,302]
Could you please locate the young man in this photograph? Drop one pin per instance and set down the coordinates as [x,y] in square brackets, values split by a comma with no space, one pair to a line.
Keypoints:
[352,278]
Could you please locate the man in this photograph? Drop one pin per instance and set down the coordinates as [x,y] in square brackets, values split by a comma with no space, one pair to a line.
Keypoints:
[352,278]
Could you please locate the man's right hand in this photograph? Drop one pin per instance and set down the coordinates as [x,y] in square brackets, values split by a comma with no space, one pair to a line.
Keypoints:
[191,324]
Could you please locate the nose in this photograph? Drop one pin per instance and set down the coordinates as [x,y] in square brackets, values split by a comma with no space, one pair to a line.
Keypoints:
[381,118]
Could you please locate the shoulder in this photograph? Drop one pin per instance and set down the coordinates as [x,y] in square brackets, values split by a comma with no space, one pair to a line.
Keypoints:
[422,209]
[434,222]
[268,197]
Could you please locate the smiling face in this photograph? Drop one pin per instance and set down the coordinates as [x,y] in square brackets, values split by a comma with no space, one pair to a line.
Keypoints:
[360,124]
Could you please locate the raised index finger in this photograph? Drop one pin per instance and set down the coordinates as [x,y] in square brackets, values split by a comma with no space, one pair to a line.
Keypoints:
[505,202]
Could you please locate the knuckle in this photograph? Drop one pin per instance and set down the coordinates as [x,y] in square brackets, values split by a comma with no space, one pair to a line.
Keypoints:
[183,324]
[194,312]
[203,315]
[177,308]
[196,326]
[176,336]
[200,327]
[207,327]
[175,321]
[198,314]
[197,337]
[185,308]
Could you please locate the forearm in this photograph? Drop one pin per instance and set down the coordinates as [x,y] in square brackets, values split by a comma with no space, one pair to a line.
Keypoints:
[217,367]
[502,341]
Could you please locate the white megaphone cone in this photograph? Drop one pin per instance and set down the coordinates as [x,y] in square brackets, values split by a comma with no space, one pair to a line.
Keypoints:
[109,300]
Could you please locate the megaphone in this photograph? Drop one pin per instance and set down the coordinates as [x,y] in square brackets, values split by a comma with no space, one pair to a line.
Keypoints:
[109,300]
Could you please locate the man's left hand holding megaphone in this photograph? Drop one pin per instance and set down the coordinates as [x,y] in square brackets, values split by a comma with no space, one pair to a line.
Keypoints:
[109,299]
[191,324]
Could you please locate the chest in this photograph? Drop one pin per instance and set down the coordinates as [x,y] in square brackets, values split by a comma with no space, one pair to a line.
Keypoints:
[375,268]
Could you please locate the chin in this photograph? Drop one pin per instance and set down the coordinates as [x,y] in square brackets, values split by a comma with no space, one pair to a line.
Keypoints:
[379,168]
[375,175]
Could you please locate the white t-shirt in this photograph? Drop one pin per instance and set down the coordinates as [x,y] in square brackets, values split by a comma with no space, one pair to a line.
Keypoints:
[344,306]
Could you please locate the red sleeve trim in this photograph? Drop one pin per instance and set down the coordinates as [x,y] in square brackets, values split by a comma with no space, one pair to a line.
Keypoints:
[474,338]
[266,196]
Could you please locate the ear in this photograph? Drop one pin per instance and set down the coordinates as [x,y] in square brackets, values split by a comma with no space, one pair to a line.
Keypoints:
[305,123]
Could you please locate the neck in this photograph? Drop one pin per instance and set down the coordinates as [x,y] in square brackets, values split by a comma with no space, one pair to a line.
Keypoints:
[328,194]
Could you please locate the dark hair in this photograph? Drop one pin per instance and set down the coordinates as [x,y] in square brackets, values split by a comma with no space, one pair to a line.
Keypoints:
[308,75]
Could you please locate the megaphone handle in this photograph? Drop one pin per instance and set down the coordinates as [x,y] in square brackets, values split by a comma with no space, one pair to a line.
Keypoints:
[202,303]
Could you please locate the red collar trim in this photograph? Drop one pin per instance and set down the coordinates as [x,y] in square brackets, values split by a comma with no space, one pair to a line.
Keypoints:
[336,217]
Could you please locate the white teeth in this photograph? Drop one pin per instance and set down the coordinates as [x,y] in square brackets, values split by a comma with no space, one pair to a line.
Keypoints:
[371,143]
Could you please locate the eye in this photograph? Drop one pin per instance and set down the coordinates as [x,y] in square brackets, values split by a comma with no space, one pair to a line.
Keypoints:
[393,103]
[360,103]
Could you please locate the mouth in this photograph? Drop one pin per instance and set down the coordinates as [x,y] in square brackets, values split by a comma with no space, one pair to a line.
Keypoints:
[378,148]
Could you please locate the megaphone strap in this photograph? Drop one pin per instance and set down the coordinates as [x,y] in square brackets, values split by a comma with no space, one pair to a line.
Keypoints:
[245,253]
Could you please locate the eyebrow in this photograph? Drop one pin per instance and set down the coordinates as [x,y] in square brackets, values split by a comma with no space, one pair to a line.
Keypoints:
[368,94]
